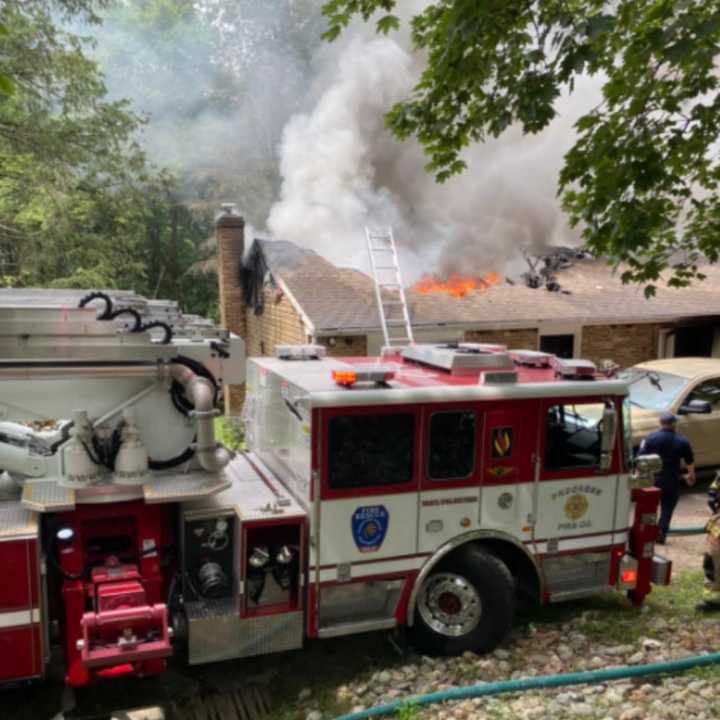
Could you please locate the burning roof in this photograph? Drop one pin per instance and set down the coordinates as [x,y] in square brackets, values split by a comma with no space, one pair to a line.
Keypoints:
[336,299]
[456,285]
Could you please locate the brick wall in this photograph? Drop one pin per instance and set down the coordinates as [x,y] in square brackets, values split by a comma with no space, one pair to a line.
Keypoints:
[230,235]
[345,345]
[525,339]
[278,324]
[625,344]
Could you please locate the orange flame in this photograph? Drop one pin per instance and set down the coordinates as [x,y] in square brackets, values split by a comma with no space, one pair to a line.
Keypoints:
[456,285]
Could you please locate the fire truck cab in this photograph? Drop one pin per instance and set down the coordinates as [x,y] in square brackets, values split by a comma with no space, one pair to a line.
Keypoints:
[444,484]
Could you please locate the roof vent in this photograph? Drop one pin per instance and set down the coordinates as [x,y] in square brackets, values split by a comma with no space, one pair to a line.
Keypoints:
[531,358]
[572,369]
[462,359]
[299,352]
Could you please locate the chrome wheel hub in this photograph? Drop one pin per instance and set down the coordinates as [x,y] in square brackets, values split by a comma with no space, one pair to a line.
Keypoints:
[449,604]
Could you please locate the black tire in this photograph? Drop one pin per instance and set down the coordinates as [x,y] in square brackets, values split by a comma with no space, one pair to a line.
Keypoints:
[485,603]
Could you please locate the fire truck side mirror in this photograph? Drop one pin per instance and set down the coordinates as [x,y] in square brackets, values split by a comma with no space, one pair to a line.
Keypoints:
[609,427]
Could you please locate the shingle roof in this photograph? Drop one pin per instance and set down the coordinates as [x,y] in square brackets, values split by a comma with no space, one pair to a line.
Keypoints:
[335,298]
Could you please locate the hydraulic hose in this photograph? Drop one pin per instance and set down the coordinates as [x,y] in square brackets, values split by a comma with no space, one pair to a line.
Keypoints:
[536,683]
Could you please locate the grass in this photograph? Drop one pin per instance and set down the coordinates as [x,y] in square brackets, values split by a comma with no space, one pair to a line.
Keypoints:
[230,432]
[608,619]
[611,617]
[407,711]
[711,673]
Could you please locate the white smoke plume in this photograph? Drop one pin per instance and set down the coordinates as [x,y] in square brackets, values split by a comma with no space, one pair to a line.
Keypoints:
[342,170]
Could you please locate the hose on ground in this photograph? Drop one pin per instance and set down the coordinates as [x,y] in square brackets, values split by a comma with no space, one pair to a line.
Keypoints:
[699,530]
[536,683]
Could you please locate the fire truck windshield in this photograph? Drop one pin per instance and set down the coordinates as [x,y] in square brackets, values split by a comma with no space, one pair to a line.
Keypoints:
[652,390]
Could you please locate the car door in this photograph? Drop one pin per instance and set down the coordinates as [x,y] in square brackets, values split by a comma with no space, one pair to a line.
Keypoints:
[703,429]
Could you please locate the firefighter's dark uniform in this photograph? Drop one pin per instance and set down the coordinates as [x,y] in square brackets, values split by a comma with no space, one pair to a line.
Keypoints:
[672,449]
[711,561]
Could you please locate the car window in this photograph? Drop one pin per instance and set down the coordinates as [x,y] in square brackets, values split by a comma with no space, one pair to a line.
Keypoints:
[708,391]
[652,390]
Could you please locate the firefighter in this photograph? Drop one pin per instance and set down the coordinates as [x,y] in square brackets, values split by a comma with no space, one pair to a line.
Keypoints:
[672,449]
[711,559]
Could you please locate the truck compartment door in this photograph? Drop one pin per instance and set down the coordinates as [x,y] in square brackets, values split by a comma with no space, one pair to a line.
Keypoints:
[21,630]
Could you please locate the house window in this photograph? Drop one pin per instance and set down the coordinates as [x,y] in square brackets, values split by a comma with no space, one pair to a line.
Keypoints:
[694,341]
[561,345]
[370,450]
[452,445]
[573,436]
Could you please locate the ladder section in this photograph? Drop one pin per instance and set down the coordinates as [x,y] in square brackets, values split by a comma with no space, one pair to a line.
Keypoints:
[389,290]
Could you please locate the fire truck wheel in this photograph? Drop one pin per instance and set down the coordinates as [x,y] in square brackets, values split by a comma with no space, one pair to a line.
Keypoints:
[467,603]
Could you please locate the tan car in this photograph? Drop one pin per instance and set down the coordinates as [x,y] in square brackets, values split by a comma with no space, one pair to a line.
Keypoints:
[687,387]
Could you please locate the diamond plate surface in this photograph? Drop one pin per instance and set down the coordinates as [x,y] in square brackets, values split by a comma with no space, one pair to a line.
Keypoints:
[190,486]
[16,521]
[216,632]
[47,496]
[575,572]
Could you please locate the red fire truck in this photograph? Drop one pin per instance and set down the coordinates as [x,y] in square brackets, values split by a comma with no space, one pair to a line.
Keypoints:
[433,489]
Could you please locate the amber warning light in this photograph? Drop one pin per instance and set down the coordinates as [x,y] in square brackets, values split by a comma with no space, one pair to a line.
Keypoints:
[378,374]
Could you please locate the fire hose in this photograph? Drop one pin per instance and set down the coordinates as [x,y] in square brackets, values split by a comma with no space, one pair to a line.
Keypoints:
[699,530]
[538,683]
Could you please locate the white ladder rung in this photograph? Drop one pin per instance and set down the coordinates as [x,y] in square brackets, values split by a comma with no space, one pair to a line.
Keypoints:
[379,242]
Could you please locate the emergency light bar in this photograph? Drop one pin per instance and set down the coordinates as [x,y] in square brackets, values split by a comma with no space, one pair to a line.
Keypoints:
[572,368]
[377,374]
[300,352]
[482,347]
[531,358]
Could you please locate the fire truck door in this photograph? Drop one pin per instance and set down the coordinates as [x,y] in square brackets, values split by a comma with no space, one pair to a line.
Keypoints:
[369,481]
[450,488]
[574,499]
[507,449]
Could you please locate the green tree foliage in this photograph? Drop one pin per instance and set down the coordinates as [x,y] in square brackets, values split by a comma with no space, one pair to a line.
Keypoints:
[642,176]
[79,204]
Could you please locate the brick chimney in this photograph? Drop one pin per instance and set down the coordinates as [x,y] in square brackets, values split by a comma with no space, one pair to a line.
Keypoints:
[230,236]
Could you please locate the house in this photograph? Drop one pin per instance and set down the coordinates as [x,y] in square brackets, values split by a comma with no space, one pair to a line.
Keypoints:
[278,293]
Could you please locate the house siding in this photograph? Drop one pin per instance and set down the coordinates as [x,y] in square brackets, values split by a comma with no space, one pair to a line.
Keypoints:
[278,324]
[524,339]
[624,344]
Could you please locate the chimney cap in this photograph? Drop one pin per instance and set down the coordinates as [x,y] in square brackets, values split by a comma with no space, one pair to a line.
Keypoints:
[229,216]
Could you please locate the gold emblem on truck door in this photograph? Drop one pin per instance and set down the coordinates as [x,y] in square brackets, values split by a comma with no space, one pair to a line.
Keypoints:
[502,442]
[576,506]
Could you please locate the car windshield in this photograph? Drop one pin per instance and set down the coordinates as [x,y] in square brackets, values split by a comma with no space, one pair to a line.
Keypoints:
[652,390]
